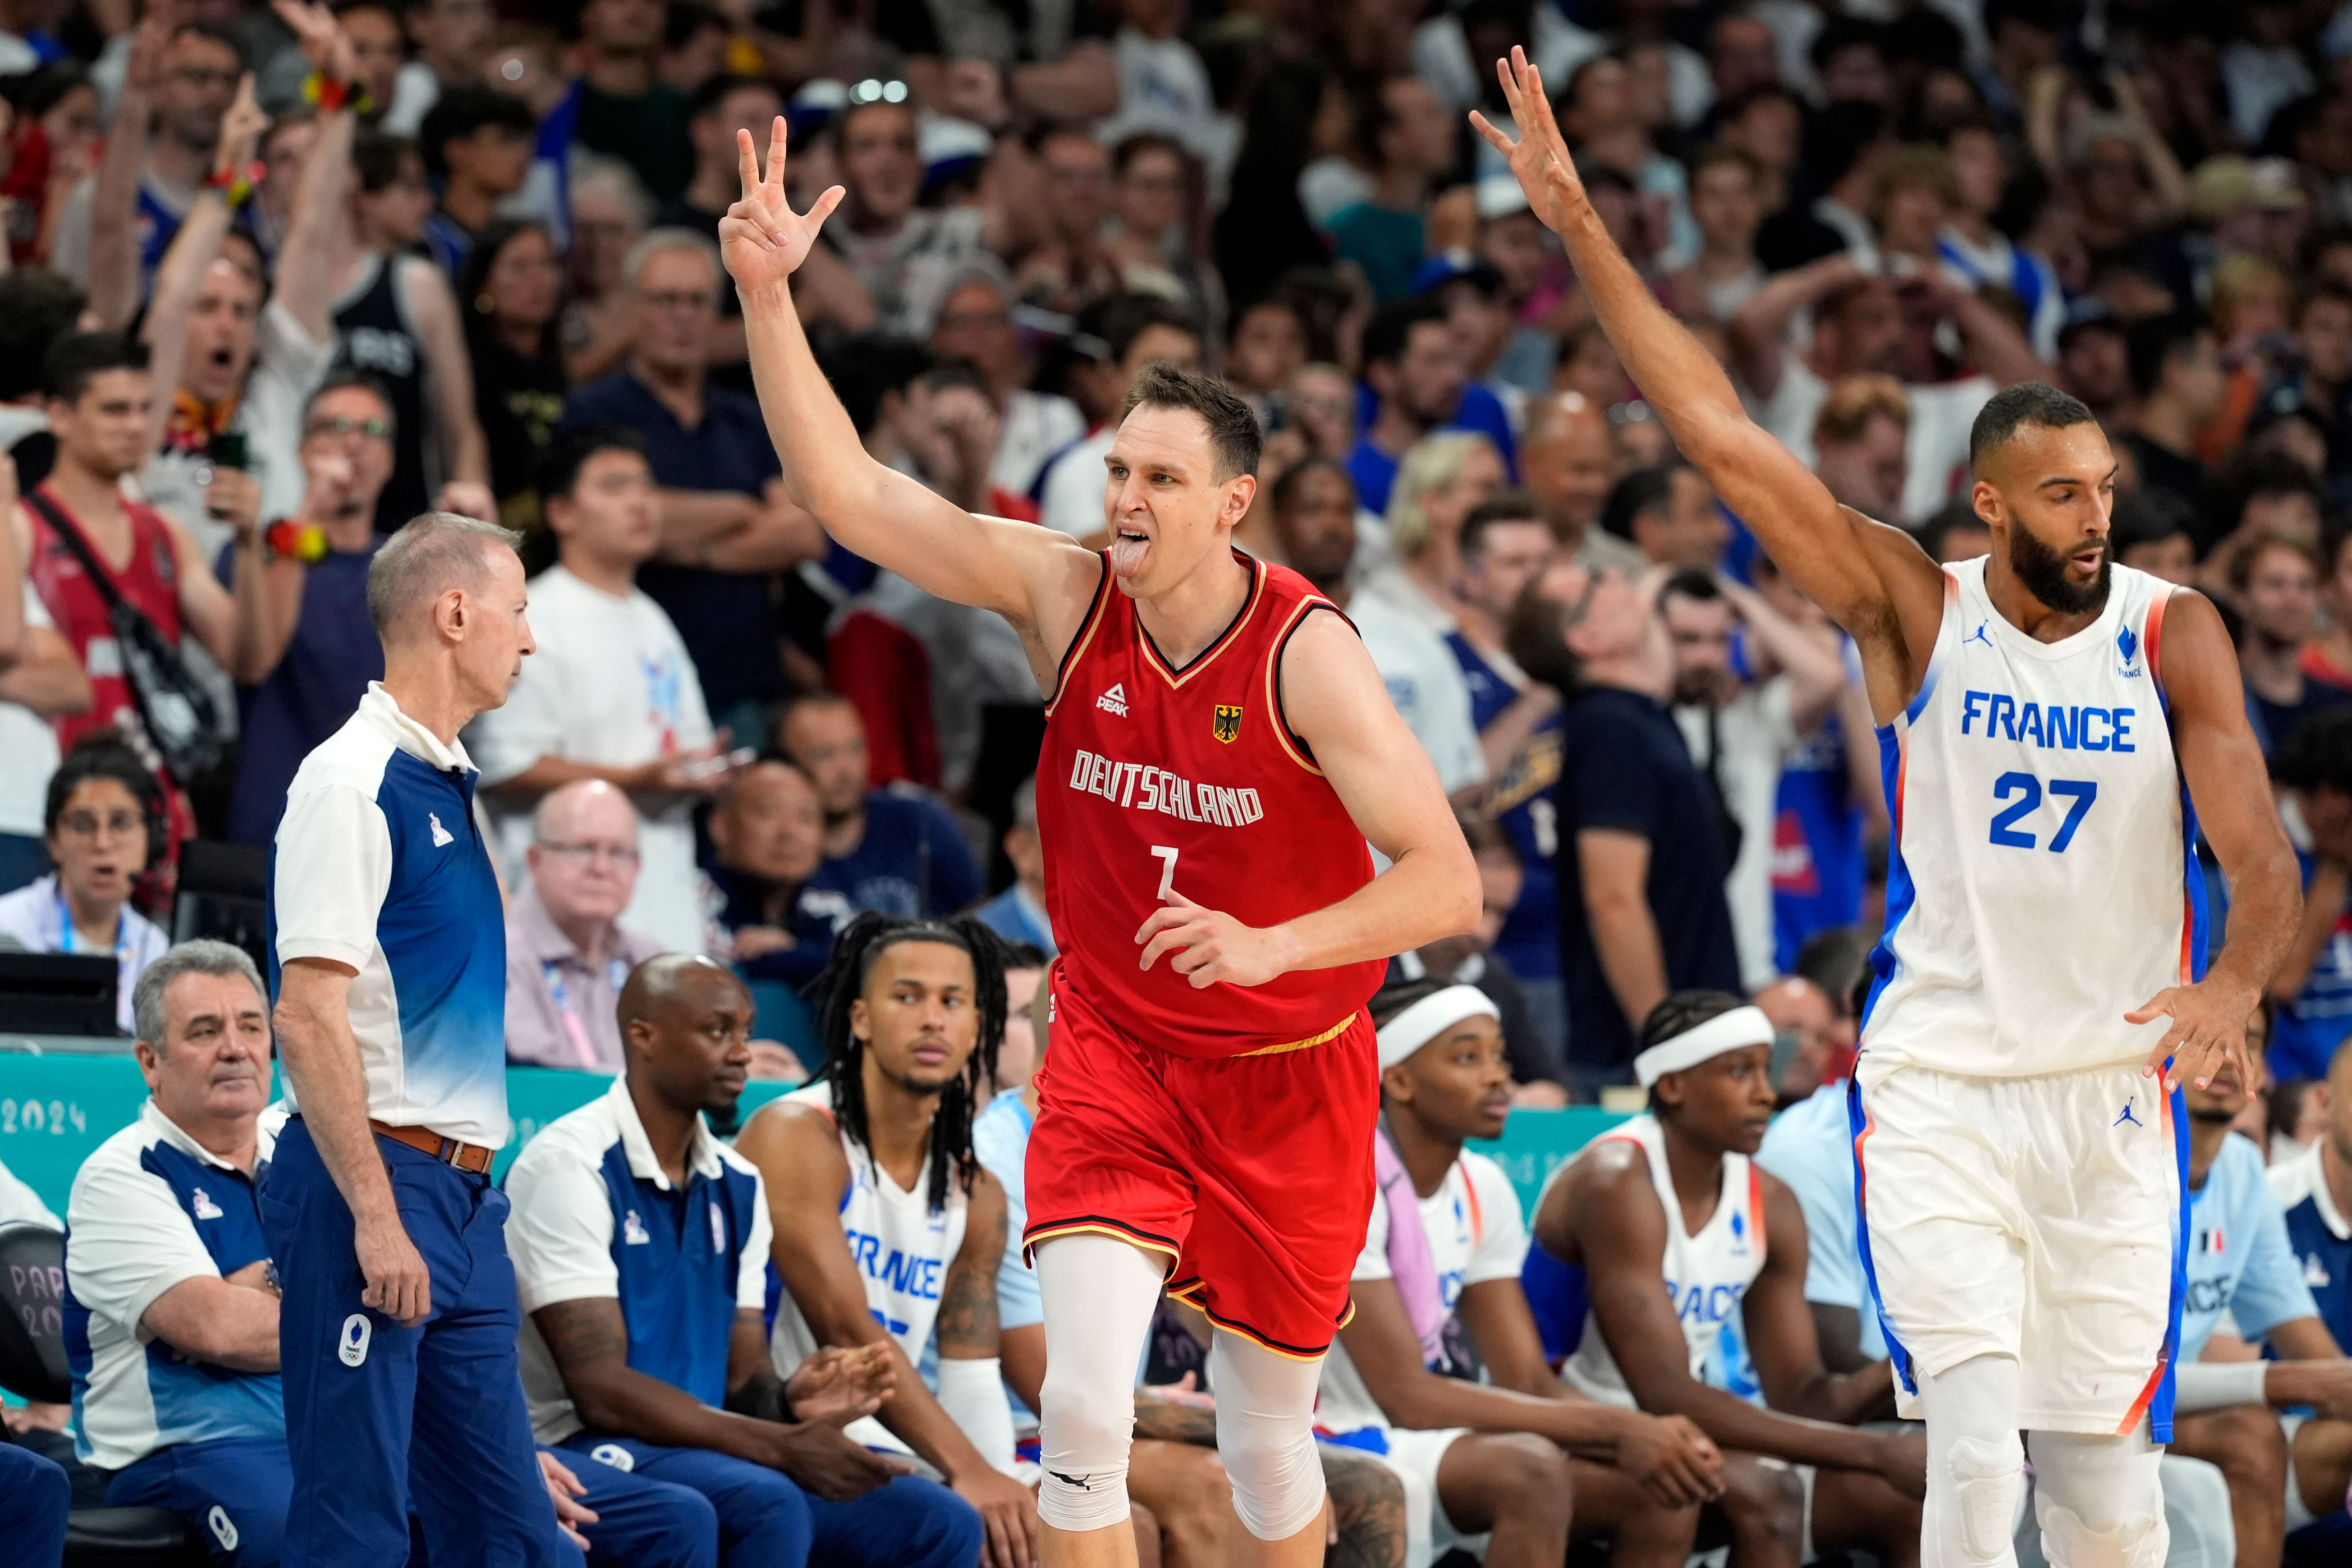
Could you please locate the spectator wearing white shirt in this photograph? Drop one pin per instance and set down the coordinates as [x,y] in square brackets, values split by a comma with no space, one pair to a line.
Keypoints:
[20,1205]
[612,693]
[1315,518]
[1863,322]
[104,822]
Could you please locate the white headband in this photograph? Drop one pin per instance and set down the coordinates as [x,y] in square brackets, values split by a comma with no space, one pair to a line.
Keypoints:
[1724,1032]
[1430,1017]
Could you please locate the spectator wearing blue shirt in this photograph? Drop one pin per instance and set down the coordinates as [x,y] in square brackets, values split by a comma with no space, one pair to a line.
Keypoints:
[2314,988]
[477,146]
[2242,1270]
[1505,542]
[721,529]
[309,658]
[1018,913]
[641,1250]
[34,1498]
[2315,1189]
[1413,365]
[899,853]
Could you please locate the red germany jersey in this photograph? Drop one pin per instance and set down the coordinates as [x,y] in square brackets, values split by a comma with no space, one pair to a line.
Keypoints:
[1154,779]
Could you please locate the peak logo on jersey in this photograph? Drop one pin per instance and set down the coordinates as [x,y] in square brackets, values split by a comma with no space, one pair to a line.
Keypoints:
[200,1203]
[352,1343]
[633,1230]
[1226,725]
[440,834]
[1114,701]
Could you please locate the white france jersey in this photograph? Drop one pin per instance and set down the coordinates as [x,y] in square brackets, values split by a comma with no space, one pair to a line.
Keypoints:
[2040,885]
[1706,1273]
[902,1249]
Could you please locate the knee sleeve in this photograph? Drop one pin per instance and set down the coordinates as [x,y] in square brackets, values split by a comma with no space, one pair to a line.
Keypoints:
[2100,1499]
[1098,1294]
[1985,1478]
[1266,1435]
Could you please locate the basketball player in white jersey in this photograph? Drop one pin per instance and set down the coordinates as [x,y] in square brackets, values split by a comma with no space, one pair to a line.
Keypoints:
[2048,717]
[886,1226]
[1674,1194]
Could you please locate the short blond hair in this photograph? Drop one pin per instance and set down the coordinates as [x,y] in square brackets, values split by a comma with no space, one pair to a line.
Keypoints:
[1855,401]
[1430,464]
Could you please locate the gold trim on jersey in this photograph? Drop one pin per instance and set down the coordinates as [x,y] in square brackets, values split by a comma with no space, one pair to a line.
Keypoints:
[1325,1039]
[1274,679]
[1225,638]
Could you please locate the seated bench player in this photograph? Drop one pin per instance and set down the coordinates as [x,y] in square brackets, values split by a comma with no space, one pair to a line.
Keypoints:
[1674,1194]
[172,1306]
[2315,1189]
[640,1245]
[887,1231]
[1510,1468]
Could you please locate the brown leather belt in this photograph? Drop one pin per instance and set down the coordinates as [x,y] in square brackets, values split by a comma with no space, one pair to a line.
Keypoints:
[470,1157]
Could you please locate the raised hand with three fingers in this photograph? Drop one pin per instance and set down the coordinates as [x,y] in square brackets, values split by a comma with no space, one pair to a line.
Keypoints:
[1539,159]
[762,238]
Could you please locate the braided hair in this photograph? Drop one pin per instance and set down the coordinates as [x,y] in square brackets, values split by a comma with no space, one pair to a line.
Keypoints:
[854,952]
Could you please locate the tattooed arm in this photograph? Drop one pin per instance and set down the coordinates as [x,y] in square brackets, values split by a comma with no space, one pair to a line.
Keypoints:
[1171,1422]
[589,1340]
[1367,1509]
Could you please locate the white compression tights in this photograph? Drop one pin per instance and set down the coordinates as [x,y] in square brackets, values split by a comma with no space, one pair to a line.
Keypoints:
[2097,1498]
[1098,1294]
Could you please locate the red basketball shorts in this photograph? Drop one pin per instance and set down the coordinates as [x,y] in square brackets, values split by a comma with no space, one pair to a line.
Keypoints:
[1252,1175]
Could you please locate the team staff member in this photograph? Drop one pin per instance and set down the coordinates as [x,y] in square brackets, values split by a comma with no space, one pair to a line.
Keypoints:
[389,947]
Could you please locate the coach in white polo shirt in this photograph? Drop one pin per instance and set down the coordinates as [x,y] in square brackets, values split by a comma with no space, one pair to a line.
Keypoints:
[171,1310]
[388,953]
[613,694]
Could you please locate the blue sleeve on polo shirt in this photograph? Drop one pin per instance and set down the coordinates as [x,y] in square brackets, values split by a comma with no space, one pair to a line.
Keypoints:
[1808,1148]
[2240,1261]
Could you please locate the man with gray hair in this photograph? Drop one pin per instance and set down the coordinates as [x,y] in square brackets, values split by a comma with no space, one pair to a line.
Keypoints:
[389,956]
[568,954]
[726,523]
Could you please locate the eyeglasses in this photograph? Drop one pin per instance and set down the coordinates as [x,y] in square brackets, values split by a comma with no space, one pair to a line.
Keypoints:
[345,425]
[873,89]
[89,825]
[584,855]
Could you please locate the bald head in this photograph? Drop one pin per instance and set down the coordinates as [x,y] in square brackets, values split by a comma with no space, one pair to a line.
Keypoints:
[670,982]
[1568,462]
[584,806]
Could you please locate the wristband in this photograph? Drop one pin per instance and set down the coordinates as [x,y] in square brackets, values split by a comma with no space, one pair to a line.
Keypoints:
[2215,1385]
[303,542]
[329,95]
[235,186]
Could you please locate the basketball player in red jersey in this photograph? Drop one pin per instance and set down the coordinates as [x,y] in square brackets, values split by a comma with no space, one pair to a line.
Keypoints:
[1218,751]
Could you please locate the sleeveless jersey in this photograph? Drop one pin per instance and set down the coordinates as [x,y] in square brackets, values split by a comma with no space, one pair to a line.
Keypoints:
[1706,1275]
[373,333]
[901,1248]
[1155,779]
[2041,882]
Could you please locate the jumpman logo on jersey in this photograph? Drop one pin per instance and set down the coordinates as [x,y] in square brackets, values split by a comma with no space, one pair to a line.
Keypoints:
[1978,635]
[2128,1116]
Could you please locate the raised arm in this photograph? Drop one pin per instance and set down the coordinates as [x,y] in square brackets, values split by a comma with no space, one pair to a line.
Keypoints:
[194,249]
[2230,787]
[113,279]
[1341,710]
[306,261]
[1816,674]
[1872,580]
[1035,578]
[433,308]
[1758,331]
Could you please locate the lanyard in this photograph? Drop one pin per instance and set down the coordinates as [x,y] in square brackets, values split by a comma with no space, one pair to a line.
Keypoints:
[576,1029]
[66,930]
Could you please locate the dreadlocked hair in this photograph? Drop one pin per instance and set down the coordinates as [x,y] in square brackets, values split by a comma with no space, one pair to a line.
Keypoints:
[854,952]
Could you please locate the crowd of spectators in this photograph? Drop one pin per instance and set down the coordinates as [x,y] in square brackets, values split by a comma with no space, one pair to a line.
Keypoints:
[279,277]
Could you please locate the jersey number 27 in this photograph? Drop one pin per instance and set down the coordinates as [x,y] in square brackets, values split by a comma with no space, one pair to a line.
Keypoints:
[2027,791]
